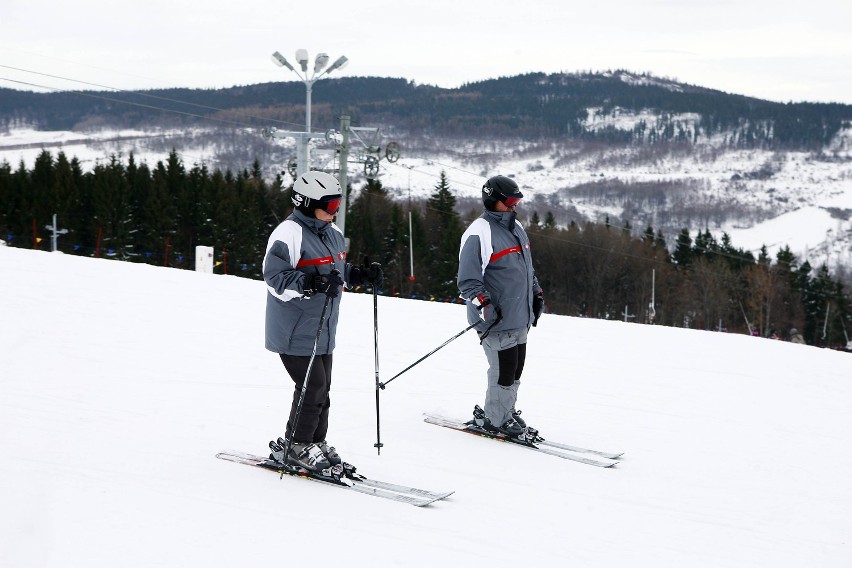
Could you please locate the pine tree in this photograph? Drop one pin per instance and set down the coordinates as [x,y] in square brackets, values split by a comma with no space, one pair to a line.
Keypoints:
[534,220]
[112,211]
[7,200]
[395,257]
[444,229]
[683,253]
[42,189]
[550,221]
[160,214]
[705,245]
[367,225]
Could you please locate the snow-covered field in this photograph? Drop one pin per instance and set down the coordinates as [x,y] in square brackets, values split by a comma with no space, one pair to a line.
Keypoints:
[119,382]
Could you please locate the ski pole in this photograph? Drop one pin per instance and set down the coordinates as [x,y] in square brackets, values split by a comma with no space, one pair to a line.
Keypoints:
[307,375]
[378,443]
[444,344]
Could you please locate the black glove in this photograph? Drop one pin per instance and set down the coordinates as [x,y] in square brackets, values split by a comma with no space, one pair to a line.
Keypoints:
[356,276]
[328,284]
[374,274]
[538,307]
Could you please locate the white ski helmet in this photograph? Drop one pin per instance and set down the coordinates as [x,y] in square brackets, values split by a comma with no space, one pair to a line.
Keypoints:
[313,190]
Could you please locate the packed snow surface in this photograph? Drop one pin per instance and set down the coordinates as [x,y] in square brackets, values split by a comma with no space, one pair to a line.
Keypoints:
[119,382]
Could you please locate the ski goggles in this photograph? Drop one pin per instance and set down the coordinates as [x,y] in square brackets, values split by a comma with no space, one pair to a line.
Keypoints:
[511,201]
[330,204]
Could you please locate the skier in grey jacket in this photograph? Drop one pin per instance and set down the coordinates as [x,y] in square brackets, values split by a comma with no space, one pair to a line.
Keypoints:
[503,295]
[305,264]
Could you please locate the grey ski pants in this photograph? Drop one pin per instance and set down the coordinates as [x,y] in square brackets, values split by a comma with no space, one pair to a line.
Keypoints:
[505,352]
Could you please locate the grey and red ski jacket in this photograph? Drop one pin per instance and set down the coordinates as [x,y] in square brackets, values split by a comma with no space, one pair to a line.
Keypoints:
[301,247]
[495,263]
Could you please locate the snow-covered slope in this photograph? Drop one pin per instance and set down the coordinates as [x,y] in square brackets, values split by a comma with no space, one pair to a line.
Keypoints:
[118,383]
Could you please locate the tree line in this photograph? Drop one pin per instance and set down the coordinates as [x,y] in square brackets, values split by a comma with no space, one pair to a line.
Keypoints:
[130,211]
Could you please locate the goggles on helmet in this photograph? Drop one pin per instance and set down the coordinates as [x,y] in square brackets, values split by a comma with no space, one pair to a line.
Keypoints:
[510,201]
[330,204]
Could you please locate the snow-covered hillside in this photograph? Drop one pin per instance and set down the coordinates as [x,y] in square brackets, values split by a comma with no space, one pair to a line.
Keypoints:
[119,382]
[758,197]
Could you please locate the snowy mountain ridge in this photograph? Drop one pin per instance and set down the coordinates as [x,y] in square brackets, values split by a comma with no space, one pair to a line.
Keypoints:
[644,80]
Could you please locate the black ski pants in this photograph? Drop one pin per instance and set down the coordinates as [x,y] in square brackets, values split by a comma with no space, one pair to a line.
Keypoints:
[313,421]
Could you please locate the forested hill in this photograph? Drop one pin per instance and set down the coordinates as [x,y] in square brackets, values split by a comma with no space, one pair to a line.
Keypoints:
[533,106]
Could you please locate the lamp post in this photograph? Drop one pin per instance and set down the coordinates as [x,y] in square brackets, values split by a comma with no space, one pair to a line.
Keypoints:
[303,138]
[410,232]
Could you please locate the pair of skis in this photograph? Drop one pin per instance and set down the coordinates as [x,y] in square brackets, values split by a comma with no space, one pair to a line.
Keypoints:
[344,476]
[558,449]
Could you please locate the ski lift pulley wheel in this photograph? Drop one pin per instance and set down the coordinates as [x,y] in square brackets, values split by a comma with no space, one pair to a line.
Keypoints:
[333,136]
[371,167]
[392,152]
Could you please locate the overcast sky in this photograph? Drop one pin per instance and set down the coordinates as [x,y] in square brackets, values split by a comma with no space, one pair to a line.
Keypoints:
[784,50]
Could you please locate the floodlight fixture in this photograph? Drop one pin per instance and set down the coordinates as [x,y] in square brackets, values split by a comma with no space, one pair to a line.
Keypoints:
[280,61]
[339,64]
[321,62]
[302,58]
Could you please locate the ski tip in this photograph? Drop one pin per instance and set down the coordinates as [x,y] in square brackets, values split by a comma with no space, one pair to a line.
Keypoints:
[433,500]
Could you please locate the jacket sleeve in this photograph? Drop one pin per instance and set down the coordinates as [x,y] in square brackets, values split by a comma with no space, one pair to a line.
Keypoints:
[473,258]
[279,271]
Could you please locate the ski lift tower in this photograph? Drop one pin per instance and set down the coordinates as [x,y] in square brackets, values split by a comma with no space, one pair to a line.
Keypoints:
[368,153]
[303,139]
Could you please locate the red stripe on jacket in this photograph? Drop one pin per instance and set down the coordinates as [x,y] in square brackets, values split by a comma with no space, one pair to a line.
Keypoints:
[315,261]
[503,253]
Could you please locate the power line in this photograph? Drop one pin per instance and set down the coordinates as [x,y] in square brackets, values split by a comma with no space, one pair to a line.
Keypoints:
[136,93]
[110,99]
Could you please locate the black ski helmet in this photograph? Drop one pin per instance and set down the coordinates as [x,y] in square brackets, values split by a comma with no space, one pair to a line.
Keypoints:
[498,188]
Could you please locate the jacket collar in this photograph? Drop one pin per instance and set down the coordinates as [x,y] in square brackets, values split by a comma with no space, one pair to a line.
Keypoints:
[312,223]
[506,219]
